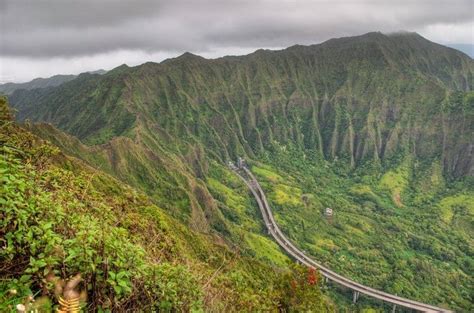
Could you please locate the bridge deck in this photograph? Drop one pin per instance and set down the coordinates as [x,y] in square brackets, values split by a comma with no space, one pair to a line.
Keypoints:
[298,255]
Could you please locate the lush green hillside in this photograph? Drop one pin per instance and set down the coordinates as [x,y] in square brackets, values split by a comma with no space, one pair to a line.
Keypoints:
[379,127]
[61,217]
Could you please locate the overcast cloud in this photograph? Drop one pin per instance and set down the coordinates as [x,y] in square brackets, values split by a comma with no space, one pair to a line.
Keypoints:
[46,37]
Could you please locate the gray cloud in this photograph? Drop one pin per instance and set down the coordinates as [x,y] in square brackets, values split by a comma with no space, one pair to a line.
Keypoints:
[66,28]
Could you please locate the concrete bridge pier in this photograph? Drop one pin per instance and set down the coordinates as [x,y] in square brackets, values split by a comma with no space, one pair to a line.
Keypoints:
[394,308]
[355,296]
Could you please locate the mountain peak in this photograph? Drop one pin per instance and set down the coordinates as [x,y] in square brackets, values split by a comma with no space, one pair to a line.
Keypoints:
[378,36]
[189,56]
[185,57]
[121,67]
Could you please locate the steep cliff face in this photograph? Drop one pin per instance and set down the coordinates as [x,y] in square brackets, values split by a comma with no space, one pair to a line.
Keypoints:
[359,98]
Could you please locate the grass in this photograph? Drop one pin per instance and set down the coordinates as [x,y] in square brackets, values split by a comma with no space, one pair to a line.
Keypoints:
[230,197]
[266,249]
[396,181]
[364,192]
[462,205]
[285,195]
[268,173]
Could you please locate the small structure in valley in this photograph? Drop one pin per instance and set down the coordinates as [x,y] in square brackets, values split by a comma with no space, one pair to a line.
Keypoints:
[240,162]
[328,212]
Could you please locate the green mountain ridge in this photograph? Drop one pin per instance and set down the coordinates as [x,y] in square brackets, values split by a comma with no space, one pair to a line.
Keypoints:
[351,97]
[56,80]
[53,81]
[378,127]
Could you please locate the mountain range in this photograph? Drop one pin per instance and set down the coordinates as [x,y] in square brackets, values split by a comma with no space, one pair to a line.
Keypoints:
[53,81]
[378,127]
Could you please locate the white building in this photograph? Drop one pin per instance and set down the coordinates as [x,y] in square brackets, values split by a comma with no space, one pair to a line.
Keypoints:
[328,212]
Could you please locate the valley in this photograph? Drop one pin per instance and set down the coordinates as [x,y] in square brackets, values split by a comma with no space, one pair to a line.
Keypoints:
[246,175]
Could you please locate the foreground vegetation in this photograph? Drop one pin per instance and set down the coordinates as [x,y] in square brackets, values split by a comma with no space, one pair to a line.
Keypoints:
[61,218]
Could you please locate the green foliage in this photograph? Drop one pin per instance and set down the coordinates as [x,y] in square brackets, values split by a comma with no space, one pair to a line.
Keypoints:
[51,222]
[268,173]
[61,217]
[396,181]
[459,206]
[421,250]
[286,195]
[266,249]
[174,284]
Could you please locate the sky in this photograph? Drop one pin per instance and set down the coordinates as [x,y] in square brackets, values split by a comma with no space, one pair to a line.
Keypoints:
[41,38]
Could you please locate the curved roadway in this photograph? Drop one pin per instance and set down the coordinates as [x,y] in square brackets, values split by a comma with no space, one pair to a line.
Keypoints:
[298,255]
